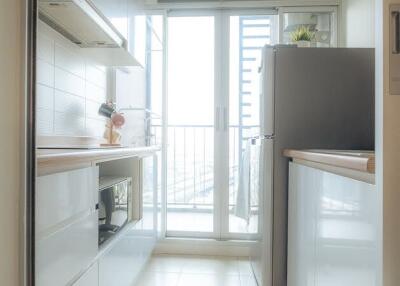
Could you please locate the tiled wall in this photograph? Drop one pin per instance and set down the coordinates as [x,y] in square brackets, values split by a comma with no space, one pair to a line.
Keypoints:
[70,88]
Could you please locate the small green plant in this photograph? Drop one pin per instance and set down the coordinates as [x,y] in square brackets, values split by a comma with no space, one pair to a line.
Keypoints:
[302,33]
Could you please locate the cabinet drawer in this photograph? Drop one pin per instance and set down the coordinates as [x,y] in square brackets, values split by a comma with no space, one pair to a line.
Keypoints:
[64,254]
[62,196]
[122,263]
[90,278]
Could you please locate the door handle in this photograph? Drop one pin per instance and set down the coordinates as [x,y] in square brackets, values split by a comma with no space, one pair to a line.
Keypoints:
[217,119]
[225,119]
[395,32]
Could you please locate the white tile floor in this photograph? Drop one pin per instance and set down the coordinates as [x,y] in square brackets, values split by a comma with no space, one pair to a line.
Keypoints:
[182,270]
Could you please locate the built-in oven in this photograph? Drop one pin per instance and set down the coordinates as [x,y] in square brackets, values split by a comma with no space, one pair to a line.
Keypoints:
[115,205]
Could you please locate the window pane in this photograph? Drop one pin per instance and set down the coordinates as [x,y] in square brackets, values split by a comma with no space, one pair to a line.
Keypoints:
[248,34]
[190,174]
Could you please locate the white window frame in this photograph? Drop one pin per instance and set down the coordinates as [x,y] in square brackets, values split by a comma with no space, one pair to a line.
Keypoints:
[221,136]
[221,175]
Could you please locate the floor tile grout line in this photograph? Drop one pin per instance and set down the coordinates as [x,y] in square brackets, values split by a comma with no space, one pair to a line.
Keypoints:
[240,272]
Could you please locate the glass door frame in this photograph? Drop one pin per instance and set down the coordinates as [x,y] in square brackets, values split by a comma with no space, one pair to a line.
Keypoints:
[217,66]
[221,120]
[225,234]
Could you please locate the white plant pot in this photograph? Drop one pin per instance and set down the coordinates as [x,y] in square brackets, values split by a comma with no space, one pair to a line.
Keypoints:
[303,44]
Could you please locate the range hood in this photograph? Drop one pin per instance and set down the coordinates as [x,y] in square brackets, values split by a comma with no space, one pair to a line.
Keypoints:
[83,24]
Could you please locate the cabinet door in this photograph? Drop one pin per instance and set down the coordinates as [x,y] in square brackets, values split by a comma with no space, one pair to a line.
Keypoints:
[62,255]
[346,241]
[332,229]
[61,197]
[303,184]
[90,278]
[66,225]
[116,11]
[122,263]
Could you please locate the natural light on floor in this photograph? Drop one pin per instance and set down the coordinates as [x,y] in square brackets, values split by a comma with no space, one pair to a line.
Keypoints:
[184,270]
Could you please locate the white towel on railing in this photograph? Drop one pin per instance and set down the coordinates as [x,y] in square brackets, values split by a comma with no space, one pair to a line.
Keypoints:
[242,208]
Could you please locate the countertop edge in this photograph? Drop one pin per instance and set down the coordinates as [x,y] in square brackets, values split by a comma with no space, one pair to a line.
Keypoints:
[55,160]
[363,164]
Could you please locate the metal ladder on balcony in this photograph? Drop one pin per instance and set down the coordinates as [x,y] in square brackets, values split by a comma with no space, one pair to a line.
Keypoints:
[250,28]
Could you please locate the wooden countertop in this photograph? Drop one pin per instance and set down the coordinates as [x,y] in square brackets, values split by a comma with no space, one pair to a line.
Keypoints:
[56,160]
[362,161]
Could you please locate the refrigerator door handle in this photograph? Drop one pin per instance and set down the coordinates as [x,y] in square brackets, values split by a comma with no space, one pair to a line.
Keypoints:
[267,137]
[395,32]
[217,119]
[225,119]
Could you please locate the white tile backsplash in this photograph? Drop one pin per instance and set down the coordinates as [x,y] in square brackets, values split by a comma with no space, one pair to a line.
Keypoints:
[69,124]
[92,108]
[69,82]
[45,73]
[95,93]
[70,88]
[96,75]
[45,50]
[45,97]
[69,103]
[63,60]
[44,121]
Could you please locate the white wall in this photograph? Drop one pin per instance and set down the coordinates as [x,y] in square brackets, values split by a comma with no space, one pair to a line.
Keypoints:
[70,88]
[357,23]
[11,109]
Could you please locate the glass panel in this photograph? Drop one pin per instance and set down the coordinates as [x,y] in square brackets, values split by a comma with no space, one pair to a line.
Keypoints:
[248,34]
[139,45]
[318,24]
[190,173]
[154,67]
[148,187]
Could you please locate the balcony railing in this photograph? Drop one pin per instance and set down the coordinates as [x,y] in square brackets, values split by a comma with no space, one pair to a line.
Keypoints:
[190,167]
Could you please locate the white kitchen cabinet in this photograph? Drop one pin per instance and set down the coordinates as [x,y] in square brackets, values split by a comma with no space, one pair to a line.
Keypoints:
[127,254]
[90,277]
[62,255]
[302,227]
[116,11]
[130,23]
[332,229]
[121,264]
[66,225]
[63,196]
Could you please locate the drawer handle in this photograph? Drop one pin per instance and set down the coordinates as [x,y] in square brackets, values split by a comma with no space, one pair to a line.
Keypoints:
[396,32]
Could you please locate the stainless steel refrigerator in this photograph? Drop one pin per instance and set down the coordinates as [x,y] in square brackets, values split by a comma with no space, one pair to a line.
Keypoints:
[310,98]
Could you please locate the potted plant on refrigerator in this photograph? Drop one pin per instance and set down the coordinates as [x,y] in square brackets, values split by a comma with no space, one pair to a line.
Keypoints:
[302,36]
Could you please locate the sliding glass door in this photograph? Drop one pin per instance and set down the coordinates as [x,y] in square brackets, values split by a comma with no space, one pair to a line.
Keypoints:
[212,91]
[191,101]
[249,33]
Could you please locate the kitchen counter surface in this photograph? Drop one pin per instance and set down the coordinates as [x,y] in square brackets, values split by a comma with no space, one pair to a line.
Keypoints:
[360,161]
[57,160]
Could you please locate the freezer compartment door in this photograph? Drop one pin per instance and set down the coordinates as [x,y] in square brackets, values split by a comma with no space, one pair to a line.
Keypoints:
[267,91]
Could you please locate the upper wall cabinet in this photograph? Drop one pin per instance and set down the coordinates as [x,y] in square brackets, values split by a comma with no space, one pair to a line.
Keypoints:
[100,30]
[129,22]
[117,13]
